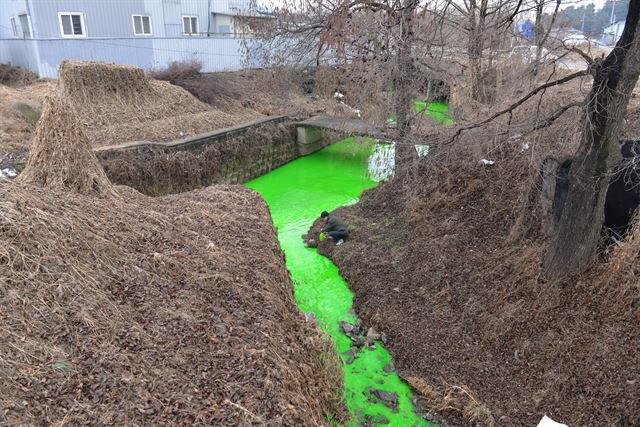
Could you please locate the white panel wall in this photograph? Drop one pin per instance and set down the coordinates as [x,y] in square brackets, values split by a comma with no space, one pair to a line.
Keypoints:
[215,53]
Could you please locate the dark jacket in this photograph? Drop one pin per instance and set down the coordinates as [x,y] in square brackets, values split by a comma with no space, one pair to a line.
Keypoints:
[335,224]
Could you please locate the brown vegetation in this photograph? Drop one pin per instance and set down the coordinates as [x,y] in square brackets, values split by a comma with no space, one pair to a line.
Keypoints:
[18,109]
[120,309]
[436,265]
[61,156]
[118,103]
[16,76]
[274,91]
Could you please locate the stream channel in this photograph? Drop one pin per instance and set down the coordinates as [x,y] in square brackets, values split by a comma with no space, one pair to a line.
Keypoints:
[296,194]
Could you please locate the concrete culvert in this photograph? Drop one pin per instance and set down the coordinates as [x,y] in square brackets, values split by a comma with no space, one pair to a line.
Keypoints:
[623,194]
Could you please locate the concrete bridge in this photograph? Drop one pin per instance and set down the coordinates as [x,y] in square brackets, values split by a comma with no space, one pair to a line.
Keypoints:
[314,133]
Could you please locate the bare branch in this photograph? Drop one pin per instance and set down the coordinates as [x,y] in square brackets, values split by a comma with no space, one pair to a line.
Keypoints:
[519,102]
[556,115]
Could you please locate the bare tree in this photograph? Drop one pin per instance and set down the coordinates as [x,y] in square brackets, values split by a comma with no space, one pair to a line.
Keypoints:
[578,234]
[484,23]
[542,35]
[380,44]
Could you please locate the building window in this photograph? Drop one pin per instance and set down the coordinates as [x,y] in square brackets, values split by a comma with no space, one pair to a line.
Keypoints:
[72,24]
[14,27]
[25,24]
[141,25]
[190,25]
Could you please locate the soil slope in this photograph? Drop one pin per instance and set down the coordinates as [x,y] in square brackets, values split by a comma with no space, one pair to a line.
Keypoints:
[435,265]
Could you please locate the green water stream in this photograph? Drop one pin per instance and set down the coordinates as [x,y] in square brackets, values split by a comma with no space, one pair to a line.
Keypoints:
[297,193]
[438,110]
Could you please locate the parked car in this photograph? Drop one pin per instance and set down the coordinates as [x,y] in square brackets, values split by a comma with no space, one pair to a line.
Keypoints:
[528,53]
[576,40]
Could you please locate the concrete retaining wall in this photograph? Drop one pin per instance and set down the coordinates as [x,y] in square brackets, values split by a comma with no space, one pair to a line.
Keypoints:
[232,156]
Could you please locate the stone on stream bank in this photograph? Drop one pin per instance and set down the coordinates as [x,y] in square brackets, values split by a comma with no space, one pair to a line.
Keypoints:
[389,399]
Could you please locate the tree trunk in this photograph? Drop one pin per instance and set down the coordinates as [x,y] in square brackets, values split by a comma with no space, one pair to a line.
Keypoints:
[541,35]
[404,82]
[474,51]
[574,245]
[477,21]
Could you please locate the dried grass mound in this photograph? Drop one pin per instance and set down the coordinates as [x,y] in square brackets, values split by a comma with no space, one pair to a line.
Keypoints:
[61,156]
[153,311]
[88,80]
[118,103]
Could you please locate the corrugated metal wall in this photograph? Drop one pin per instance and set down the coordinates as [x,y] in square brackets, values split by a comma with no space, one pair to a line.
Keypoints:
[110,36]
[23,53]
[103,18]
[172,14]
[215,54]
[138,52]
[9,9]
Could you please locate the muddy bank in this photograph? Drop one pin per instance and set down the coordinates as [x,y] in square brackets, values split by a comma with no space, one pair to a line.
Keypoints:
[470,323]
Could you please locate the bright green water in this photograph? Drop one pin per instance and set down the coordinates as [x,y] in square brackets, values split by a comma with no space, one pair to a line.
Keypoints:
[297,193]
[438,110]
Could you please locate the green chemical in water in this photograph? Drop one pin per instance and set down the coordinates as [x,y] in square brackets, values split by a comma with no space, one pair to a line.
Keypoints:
[438,110]
[297,193]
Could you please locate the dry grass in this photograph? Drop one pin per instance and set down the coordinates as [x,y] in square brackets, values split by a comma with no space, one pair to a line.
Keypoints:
[463,300]
[144,311]
[16,76]
[18,110]
[120,309]
[61,156]
[454,399]
[118,103]
[276,91]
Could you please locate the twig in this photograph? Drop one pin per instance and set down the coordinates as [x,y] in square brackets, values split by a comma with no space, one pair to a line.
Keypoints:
[552,118]
[245,410]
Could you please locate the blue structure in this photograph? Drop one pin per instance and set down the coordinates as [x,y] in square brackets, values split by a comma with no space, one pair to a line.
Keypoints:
[39,34]
[527,30]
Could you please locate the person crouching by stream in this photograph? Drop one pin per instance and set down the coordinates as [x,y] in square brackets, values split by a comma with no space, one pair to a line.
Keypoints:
[334,228]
